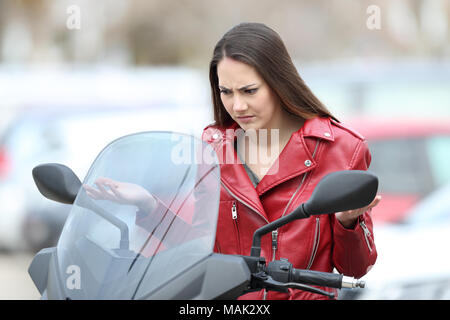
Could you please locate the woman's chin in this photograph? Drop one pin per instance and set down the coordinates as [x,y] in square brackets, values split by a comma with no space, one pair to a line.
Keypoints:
[249,126]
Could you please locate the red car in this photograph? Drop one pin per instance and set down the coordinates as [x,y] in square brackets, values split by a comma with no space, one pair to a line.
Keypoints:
[411,159]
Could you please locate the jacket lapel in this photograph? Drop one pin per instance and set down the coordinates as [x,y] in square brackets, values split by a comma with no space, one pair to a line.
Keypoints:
[296,158]
[232,173]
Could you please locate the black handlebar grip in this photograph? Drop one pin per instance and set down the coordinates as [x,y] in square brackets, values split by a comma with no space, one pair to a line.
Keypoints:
[325,279]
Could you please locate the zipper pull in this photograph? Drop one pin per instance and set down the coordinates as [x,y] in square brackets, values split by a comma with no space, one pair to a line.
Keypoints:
[364,227]
[274,239]
[366,234]
[234,211]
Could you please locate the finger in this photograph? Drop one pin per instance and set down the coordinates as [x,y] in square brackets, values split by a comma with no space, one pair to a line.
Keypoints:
[100,186]
[351,212]
[113,189]
[356,213]
[92,191]
[106,181]
[374,203]
[110,183]
[87,187]
[91,195]
[104,192]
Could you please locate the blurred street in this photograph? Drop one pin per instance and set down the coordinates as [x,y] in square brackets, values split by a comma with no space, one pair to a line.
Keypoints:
[16,284]
[76,75]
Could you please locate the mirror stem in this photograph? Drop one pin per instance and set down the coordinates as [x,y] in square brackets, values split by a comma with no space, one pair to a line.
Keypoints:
[298,213]
[87,203]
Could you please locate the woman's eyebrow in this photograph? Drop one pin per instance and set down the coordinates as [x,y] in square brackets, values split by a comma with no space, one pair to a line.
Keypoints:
[242,88]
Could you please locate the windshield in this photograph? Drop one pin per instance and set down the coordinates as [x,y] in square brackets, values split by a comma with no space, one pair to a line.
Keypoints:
[115,248]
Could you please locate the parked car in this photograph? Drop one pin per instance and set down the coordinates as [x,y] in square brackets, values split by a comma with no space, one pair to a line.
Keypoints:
[410,157]
[413,257]
[74,137]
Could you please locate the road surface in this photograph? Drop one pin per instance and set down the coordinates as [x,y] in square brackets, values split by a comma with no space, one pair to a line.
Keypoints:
[15,283]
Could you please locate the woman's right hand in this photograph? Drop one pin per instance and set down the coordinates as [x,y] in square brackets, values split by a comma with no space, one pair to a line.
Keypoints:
[122,193]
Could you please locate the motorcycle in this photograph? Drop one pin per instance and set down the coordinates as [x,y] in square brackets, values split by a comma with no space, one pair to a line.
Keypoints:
[117,250]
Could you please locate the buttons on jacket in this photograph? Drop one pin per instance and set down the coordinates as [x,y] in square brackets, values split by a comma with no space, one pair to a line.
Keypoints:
[308,163]
[215,136]
[327,134]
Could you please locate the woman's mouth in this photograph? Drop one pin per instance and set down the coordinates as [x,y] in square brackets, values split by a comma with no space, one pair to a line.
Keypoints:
[245,119]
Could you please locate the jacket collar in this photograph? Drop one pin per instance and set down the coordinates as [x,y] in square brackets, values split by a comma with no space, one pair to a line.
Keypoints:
[318,127]
[294,160]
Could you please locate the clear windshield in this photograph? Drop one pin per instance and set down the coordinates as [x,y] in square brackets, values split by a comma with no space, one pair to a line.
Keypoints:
[113,249]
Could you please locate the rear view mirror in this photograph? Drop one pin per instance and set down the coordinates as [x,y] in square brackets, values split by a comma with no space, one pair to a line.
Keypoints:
[341,191]
[59,183]
[56,182]
[337,191]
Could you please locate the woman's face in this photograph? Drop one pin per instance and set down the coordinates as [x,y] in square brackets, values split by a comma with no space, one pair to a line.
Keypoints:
[247,97]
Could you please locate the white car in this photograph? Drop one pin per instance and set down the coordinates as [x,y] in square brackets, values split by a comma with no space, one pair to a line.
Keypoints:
[414,257]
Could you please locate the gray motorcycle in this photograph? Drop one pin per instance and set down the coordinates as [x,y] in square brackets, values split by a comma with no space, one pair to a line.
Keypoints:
[115,245]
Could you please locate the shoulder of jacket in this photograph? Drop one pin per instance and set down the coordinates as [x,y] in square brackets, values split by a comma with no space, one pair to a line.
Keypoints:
[347,129]
[217,133]
[211,132]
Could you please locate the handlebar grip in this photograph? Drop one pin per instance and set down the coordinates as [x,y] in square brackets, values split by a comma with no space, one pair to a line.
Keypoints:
[325,279]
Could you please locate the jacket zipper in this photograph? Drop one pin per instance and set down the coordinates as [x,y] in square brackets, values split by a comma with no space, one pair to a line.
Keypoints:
[366,234]
[274,243]
[234,211]
[251,208]
[275,232]
[243,202]
[315,244]
[234,217]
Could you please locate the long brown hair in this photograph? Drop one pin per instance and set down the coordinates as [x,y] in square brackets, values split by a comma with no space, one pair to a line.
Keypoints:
[262,48]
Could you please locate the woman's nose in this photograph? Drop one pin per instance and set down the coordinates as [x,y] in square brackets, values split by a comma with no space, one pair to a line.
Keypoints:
[239,105]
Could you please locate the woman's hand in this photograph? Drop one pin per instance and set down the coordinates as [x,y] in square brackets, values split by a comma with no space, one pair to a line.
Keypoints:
[121,192]
[348,218]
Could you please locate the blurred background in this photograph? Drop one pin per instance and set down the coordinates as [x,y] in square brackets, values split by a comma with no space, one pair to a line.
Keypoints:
[76,74]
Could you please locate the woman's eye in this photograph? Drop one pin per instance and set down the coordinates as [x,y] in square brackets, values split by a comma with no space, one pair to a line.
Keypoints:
[248,91]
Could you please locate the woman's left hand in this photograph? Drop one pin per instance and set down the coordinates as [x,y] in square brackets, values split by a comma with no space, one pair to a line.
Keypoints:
[348,218]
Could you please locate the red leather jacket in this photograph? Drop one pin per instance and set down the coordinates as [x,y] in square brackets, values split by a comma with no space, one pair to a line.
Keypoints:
[318,243]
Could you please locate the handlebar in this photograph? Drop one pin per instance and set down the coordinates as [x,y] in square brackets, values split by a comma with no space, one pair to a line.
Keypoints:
[282,271]
[332,280]
[279,275]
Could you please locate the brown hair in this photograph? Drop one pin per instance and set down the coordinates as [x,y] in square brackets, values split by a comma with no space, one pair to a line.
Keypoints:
[262,48]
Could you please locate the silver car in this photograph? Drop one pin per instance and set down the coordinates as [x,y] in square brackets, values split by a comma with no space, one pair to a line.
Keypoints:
[72,137]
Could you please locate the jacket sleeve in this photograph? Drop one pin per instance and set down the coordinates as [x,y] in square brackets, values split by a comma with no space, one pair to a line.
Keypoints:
[159,219]
[354,249]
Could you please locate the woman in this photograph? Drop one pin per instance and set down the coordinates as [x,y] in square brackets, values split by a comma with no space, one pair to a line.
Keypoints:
[275,141]
[256,87]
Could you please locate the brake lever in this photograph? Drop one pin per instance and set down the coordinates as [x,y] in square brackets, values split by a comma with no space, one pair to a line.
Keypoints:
[304,287]
[264,281]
